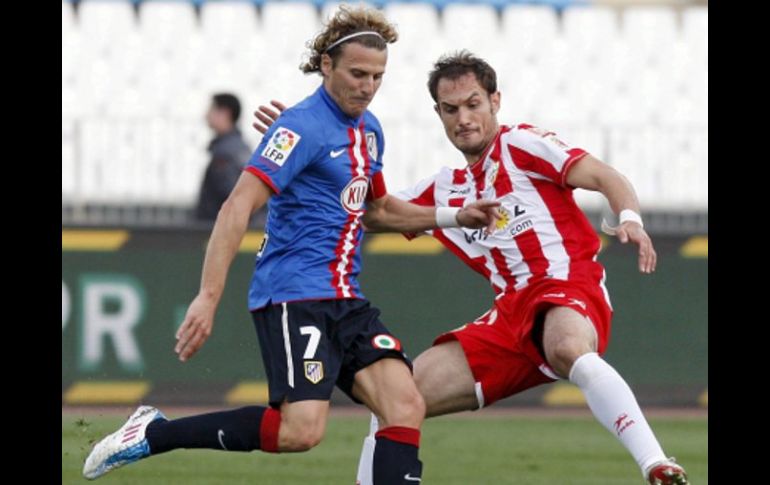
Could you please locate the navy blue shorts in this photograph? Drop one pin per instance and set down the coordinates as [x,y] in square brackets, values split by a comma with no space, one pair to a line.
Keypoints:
[309,346]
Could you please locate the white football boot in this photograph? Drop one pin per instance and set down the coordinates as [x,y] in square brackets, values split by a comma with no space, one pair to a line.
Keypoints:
[126,445]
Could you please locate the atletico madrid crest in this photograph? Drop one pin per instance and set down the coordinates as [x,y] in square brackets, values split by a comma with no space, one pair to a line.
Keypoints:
[314,371]
[371,146]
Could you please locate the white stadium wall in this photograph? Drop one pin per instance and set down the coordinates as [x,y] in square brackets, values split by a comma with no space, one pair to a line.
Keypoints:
[629,85]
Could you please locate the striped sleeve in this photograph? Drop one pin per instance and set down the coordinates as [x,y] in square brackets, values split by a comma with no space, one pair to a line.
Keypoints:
[541,152]
[422,193]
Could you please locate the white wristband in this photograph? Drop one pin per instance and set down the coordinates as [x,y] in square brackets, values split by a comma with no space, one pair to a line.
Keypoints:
[625,215]
[629,215]
[447,216]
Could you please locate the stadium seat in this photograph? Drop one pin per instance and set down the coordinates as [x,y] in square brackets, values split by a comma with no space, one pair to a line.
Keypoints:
[518,88]
[107,54]
[106,19]
[592,138]
[221,69]
[650,30]
[167,21]
[561,106]
[645,156]
[685,182]
[627,157]
[67,17]
[695,24]
[138,87]
[470,26]
[329,8]
[226,24]
[93,160]
[623,73]
[588,29]
[695,32]
[232,47]
[71,74]
[287,26]
[193,137]
[419,42]
[620,111]
[687,106]
[528,31]
[68,160]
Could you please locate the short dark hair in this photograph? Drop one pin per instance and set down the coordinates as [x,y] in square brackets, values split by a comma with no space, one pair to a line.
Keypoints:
[229,102]
[457,64]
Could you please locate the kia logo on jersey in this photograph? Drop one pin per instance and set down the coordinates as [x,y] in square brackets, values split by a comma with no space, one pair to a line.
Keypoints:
[354,194]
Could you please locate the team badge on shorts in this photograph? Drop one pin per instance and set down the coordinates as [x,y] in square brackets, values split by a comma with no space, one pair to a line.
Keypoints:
[314,371]
[385,341]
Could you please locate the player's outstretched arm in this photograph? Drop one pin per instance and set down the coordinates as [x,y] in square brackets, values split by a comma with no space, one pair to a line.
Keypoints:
[591,173]
[248,195]
[391,214]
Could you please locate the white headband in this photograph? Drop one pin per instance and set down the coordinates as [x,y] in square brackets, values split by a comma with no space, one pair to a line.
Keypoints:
[348,37]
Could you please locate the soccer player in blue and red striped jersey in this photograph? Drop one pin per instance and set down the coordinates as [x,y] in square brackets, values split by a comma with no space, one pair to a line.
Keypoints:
[319,170]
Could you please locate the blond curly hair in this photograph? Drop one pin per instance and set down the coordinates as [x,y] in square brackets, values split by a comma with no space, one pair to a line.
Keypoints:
[349,20]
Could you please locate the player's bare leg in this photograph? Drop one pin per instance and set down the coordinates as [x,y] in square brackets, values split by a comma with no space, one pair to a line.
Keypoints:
[445,380]
[446,383]
[569,343]
[303,424]
[389,391]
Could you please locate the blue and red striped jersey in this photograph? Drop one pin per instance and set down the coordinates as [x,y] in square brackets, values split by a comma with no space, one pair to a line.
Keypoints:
[319,161]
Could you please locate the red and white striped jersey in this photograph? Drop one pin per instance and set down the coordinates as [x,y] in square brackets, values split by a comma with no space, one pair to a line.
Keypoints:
[542,234]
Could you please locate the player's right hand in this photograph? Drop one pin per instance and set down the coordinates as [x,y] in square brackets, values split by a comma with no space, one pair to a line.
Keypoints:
[631,231]
[195,328]
[479,214]
[267,116]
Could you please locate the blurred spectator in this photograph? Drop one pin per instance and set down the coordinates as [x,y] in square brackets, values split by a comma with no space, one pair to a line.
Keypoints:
[229,154]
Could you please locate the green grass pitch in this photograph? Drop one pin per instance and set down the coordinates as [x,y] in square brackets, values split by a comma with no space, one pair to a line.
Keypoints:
[464,450]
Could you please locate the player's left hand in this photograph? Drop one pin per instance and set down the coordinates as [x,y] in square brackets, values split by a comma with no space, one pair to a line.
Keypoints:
[631,231]
[481,213]
[196,327]
[266,116]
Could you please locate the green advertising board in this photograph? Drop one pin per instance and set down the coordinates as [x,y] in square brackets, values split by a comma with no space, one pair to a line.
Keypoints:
[121,307]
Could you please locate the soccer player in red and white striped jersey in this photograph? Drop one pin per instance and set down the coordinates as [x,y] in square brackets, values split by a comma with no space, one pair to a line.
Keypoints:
[551,316]
[542,234]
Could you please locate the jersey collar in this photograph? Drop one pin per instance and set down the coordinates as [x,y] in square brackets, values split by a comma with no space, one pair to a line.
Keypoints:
[493,144]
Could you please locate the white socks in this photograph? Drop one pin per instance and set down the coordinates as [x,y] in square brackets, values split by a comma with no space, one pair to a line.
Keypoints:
[366,462]
[610,399]
[614,405]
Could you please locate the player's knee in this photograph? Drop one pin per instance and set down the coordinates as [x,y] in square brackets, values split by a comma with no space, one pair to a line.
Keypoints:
[410,410]
[562,354]
[418,405]
[308,440]
[302,439]
[300,432]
